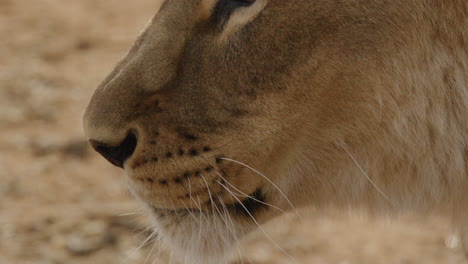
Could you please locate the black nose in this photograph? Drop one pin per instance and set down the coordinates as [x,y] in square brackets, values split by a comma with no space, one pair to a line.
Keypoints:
[118,154]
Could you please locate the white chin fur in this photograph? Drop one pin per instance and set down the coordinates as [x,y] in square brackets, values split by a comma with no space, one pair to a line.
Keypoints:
[196,238]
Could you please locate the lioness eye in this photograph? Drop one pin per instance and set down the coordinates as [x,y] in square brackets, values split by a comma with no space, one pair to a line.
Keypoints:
[224,9]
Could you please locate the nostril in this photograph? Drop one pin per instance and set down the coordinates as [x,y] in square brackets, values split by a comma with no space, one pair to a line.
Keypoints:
[118,154]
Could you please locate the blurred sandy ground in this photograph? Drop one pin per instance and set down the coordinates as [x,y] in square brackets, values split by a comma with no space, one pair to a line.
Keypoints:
[60,203]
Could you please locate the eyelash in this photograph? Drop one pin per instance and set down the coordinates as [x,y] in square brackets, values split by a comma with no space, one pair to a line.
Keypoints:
[224,9]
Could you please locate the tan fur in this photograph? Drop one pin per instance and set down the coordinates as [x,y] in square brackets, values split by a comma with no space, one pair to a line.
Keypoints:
[338,103]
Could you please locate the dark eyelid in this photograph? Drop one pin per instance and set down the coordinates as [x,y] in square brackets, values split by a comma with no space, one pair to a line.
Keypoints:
[224,9]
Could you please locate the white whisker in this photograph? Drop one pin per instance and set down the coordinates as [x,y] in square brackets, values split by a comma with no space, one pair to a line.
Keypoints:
[209,191]
[151,252]
[267,179]
[214,207]
[248,196]
[201,221]
[233,229]
[259,226]
[367,176]
[134,251]
[230,227]
[130,214]
[242,193]
[172,201]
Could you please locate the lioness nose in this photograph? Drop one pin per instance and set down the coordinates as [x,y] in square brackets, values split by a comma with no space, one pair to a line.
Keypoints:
[116,154]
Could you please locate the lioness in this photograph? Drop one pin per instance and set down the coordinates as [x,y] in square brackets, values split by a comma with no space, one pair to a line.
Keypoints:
[227,113]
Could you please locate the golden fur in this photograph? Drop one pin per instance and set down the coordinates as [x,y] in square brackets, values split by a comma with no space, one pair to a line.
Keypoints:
[327,103]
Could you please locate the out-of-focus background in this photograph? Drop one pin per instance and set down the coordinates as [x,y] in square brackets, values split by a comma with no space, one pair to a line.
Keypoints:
[61,203]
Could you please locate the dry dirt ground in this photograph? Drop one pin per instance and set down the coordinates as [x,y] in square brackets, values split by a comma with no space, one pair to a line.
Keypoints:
[61,203]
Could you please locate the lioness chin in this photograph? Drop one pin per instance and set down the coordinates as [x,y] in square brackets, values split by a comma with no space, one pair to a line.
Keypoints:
[227,113]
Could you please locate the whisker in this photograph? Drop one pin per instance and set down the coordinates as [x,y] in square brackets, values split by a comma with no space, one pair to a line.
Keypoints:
[186,207]
[214,206]
[233,232]
[241,192]
[209,191]
[189,211]
[173,205]
[228,217]
[259,226]
[130,214]
[191,197]
[190,188]
[217,148]
[201,221]
[367,176]
[249,196]
[134,251]
[224,210]
[144,231]
[151,252]
[267,179]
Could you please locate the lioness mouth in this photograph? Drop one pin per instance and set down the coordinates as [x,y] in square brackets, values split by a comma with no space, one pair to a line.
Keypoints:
[247,207]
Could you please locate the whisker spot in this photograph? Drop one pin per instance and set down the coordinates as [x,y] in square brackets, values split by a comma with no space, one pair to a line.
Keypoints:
[163,182]
[136,165]
[190,137]
[194,152]
[207,149]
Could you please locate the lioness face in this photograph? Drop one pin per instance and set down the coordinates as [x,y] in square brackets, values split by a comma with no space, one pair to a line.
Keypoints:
[203,97]
[206,109]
